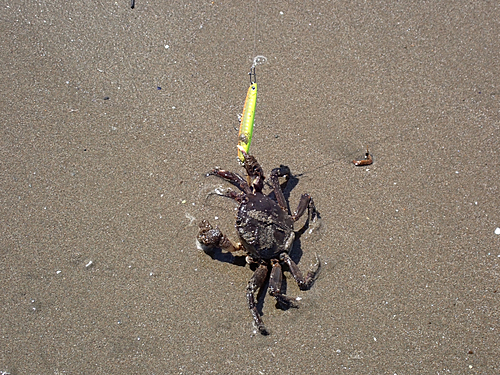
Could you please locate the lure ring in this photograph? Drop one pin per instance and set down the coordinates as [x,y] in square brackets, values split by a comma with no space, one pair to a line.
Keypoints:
[258,60]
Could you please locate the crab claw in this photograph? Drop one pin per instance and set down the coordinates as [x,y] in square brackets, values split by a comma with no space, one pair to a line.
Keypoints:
[254,170]
[209,237]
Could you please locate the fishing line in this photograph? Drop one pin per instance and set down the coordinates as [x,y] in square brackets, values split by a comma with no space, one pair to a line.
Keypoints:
[258,59]
[255,29]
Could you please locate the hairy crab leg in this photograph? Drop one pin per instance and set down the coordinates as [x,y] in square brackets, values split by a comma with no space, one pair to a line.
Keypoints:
[232,178]
[228,194]
[308,281]
[258,279]
[275,281]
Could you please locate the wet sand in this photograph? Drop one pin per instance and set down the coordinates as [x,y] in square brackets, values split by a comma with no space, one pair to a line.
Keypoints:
[111,117]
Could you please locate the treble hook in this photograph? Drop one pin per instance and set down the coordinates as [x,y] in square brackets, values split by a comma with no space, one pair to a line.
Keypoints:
[252,74]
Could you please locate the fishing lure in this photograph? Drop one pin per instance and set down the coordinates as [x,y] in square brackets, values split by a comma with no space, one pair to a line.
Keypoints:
[247,119]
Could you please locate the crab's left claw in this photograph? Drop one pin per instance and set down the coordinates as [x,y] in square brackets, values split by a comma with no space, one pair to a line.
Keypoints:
[209,238]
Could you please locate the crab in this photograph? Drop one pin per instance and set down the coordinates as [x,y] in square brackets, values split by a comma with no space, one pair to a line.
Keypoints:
[265,230]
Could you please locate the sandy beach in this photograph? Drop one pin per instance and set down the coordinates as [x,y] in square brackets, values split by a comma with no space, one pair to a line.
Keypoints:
[112,116]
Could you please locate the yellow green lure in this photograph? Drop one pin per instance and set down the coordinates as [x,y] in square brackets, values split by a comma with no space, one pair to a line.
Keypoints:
[247,119]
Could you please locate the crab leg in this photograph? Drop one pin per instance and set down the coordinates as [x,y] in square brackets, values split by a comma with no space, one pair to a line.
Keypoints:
[258,279]
[232,178]
[303,283]
[305,202]
[275,281]
[282,171]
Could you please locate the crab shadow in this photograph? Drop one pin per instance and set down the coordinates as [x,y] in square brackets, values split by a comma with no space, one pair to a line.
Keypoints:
[222,256]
